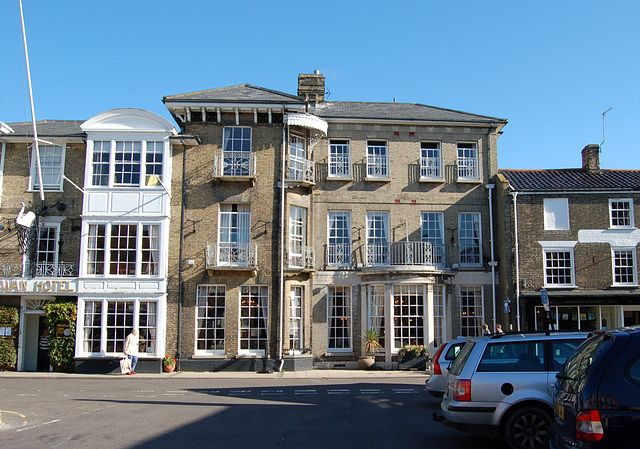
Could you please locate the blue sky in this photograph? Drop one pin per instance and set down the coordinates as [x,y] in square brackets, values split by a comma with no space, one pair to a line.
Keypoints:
[550,67]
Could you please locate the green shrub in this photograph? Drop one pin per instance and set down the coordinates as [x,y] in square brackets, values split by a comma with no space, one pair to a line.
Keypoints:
[61,349]
[9,316]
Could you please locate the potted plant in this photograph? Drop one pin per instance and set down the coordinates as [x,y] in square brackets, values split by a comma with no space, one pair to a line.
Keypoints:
[371,344]
[168,364]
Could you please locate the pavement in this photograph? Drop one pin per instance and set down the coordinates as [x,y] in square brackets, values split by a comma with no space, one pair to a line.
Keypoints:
[309,374]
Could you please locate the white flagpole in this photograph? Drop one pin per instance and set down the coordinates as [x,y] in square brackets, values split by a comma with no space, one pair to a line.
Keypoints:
[33,112]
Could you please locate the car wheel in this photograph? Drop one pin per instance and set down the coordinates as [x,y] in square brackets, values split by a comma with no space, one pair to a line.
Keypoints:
[528,428]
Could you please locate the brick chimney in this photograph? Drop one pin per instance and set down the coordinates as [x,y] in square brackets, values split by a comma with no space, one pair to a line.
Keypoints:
[591,157]
[311,87]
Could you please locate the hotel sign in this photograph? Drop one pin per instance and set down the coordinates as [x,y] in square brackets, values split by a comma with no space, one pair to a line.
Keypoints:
[37,286]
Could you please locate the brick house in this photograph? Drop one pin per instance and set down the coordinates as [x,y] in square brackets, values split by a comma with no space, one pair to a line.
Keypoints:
[305,222]
[571,232]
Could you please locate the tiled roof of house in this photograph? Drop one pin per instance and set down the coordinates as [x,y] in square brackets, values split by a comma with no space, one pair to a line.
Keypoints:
[50,128]
[572,179]
[241,93]
[397,111]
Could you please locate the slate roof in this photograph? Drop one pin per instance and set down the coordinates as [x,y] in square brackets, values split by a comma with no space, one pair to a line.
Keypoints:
[241,93]
[246,93]
[397,111]
[572,179]
[50,128]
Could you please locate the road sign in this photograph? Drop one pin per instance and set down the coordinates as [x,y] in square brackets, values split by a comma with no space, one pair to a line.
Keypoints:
[544,295]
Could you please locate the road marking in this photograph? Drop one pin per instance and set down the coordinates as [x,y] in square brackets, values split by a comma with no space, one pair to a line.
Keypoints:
[404,391]
[370,391]
[305,392]
[239,392]
[37,425]
[271,393]
[27,394]
[208,391]
[338,391]
[177,391]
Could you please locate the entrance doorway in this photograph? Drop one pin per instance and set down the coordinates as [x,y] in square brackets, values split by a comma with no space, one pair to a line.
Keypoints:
[33,327]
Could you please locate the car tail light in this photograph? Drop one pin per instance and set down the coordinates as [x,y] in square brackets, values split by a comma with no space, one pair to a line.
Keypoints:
[589,426]
[436,364]
[462,390]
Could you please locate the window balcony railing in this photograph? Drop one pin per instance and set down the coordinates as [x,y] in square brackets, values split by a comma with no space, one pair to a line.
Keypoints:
[406,253]
[468,169]
[232,255]
[301,170]
[378,167]
[304,261]
[430,168]
[339,255]
[234,165]
[56,270]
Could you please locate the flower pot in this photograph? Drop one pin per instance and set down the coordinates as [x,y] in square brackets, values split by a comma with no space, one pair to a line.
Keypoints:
[168,368]
[366,362]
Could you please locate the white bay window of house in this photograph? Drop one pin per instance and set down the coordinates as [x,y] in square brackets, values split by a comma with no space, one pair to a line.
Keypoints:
[621,213]
[235,233]
[297,157]
[377,159]
[471,310]
[430,160]
[150,250]
[154,163]
[433,233]
[339,239]
[210,318]
[339,158]
[96,249]
[100,163]
[106,324]
[295,318]
[297,236]
[377,238]
[439,316]
[236,150]
[375,294]
[339,318]
[123,249]
[468,165]
[127,163]
[556,214]
[558,267]
[469,235]
[254,318]
[51,165]
[624,267]
[408,315]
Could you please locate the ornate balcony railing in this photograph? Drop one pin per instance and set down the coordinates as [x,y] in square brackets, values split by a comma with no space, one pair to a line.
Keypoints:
[304,261]
[54,270]
[301,170]
[406,253]
[238,255]
[430,168]
[468,169]
[377,166]
[339,255]
[234,164]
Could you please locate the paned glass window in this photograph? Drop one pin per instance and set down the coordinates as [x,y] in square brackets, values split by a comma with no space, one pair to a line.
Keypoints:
[624,267]
[339,239]
[558,265]
[254,308]
[210,318]
[339,158]
[468,164]
[433,232]
[408,315]
[621,213]
[123,249]
[297,236]
[127,163]
[295,318]
[469,234]
[439,316]
[376,310]
[377,159]
[51,165]
[471,310]
[92,326]
[339,318]
[96,249]
[236,147]
[100,163]
[377,238]
[430,160]
[154,163]
[150,250]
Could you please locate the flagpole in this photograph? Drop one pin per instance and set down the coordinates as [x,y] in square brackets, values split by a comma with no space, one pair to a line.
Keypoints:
[33,112]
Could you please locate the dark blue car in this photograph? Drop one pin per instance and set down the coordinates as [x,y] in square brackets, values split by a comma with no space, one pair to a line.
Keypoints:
[597,394]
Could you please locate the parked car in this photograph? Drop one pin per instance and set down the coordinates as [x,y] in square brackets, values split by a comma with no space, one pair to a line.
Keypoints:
[597,394]
[502,386]
[444,356]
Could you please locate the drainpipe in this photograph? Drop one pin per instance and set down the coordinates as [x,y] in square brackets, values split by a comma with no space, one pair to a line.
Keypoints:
[515,225]
[282,243]
[493,262]
[181,261]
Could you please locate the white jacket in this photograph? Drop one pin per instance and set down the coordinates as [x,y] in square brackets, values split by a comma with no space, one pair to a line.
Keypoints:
[131,344]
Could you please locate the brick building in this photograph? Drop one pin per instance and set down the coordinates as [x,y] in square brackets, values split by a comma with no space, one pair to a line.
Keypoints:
[305,222]
[571,232]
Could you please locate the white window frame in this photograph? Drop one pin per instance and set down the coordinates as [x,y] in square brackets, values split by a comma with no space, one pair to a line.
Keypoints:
[334,317]
[297,157]
[376,310]
[439,315]
[414,332]
[338,251]
[378,238]
[48,169]
[378,160]
[111,343]
[468,161]
[615,258]
[297,236]
[434,222]
[431,168]
[471,314]
[556,214]
[339,162]
[627,211]
[208,297]
[465,238]
[296,322]
[234,234]
[235,152]
[549,269]
[254,302]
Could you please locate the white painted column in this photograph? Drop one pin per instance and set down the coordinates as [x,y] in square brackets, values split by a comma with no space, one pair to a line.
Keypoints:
[430,321]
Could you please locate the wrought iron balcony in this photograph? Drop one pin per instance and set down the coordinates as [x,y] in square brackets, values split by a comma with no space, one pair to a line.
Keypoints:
[305,260]
[234,165]
[53,270]
[301,170]
[406,253]
[231,256]
[468,169]
[431,168]
[339,255]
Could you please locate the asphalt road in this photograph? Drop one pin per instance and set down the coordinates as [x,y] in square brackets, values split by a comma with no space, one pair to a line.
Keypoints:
[130,412]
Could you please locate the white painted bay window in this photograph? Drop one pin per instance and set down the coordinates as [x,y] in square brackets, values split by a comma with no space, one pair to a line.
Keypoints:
[127,163]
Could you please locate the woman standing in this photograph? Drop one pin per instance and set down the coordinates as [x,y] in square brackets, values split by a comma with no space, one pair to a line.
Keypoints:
[131,349]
